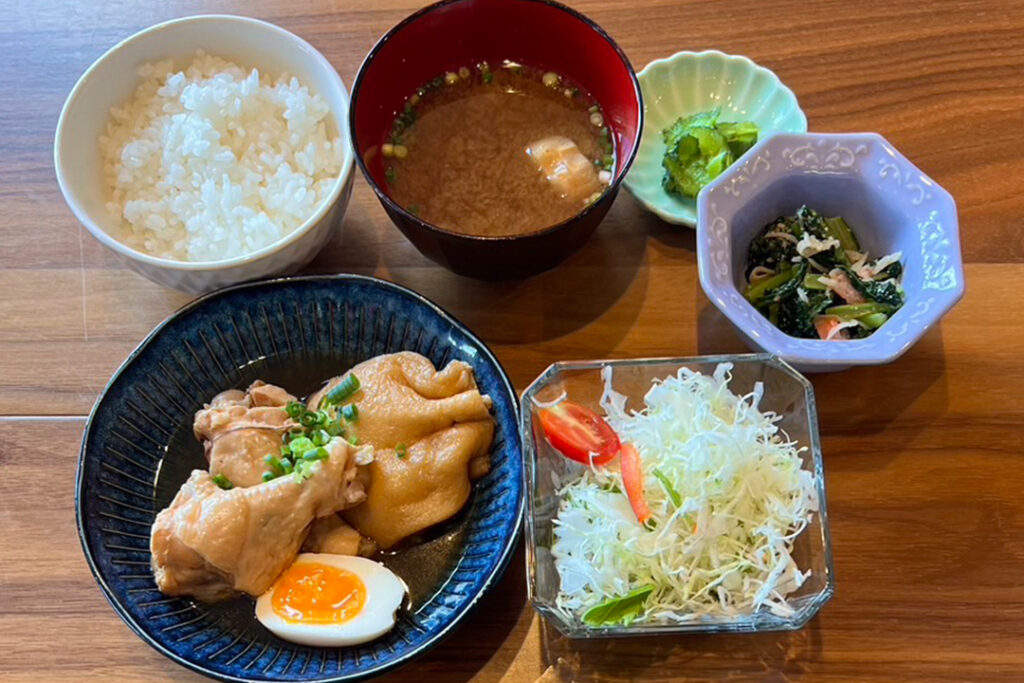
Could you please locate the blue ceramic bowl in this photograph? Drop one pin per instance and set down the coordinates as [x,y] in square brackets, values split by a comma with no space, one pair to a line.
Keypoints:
[890,204]
[138,449]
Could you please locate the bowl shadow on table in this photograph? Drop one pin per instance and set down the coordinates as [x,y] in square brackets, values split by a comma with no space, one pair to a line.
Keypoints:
[672,237]
[492,634]
[747,656]
[866,401]
[606,272]
[355,246]
[885,406]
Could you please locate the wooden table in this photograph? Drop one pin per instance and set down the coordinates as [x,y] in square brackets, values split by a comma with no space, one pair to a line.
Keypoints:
[924,470]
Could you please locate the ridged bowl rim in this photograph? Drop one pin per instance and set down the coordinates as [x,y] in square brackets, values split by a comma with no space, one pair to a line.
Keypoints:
[684,215]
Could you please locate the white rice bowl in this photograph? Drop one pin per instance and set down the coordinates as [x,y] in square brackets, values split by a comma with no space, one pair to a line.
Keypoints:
[215,161]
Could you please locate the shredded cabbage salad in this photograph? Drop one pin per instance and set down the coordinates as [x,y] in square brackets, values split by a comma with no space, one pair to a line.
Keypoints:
[728,495]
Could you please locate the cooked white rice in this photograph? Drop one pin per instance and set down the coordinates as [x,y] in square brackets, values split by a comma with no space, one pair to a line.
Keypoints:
[215,161]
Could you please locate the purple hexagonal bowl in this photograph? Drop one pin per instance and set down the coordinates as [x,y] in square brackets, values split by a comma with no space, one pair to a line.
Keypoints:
[891,206]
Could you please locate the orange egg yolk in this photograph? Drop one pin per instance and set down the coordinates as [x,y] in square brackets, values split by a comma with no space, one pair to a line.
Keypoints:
[314,593]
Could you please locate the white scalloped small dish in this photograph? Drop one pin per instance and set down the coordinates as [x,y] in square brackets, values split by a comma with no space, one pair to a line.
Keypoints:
[691,82]
[890,204]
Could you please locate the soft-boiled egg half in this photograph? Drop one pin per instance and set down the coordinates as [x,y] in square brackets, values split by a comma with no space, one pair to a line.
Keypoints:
[331,601]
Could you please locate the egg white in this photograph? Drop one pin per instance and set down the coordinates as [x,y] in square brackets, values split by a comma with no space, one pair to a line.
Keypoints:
[385,593]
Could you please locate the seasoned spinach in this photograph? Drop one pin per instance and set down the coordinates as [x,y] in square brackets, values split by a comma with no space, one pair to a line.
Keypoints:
[809,269]
[884,292]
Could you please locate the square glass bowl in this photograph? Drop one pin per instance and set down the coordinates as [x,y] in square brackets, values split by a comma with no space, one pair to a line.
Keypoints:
[786,393]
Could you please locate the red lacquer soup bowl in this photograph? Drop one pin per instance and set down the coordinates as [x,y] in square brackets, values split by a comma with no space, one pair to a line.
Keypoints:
[455,33]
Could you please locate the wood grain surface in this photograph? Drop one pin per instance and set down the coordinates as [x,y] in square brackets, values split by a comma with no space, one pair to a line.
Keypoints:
[923,457]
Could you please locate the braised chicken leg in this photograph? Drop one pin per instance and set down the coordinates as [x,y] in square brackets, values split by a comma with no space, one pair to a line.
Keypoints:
[212,542]
[239,429]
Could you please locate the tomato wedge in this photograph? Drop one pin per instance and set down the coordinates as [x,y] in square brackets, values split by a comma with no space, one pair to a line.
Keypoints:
[633,481]
[578,432]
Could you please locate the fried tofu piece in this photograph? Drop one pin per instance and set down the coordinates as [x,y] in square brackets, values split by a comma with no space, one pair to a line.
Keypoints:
[427,485]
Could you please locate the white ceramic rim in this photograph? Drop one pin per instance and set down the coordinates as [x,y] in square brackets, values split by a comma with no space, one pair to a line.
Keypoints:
[676,219]
[222,264]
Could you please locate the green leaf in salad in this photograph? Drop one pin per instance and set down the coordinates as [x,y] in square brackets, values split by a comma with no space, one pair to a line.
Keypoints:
[673,494]
[620,610]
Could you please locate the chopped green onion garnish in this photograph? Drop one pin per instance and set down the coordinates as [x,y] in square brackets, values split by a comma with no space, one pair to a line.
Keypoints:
[301,445]
[295,409]
[319,437]
[335,428]
[400,450]
[286,465]
[302,472]
[389,174]
[353,440]
[222,481]
[275,465]
[348,386]
[309,420]
[350,412]
[315,454]
[268,476]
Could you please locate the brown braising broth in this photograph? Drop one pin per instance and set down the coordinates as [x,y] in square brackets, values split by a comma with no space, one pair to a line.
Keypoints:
[459,156]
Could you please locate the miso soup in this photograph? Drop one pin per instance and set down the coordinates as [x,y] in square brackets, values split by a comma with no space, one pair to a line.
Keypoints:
[498,152]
